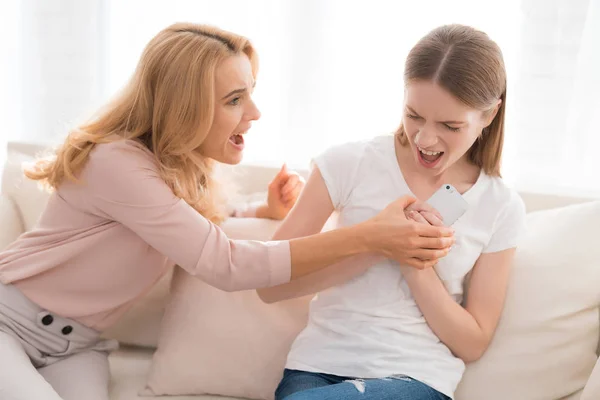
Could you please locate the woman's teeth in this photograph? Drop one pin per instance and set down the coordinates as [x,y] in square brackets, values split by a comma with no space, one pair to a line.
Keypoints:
[429,153]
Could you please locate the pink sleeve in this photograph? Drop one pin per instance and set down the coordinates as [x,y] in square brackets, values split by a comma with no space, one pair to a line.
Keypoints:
[123,185]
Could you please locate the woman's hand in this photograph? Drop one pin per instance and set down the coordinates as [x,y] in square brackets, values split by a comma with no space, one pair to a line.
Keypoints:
[407,241]
[284,190]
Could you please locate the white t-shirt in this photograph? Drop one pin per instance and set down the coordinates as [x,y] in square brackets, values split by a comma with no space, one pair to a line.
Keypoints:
[371,327]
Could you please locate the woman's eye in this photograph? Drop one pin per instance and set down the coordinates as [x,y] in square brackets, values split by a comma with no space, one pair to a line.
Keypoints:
[235,101]
[453,129]
[411,116]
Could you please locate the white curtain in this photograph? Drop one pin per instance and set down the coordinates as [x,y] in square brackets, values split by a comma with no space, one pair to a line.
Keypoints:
[51,67]
[553,131]
[331,71]
[9,73]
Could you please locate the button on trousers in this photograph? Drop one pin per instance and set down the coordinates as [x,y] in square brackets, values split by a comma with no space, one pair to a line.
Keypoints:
[44,356]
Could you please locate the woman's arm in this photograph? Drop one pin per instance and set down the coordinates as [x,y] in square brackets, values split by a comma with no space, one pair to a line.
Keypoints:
[308,217]
[121,183]
[466,331]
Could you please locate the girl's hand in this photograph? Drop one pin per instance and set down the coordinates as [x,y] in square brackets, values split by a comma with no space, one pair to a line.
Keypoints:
[424,213]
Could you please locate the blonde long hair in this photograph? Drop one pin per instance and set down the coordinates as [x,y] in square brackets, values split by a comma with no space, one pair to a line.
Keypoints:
[168,106]
[469,65]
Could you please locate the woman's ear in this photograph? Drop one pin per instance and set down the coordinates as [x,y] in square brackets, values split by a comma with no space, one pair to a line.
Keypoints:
[492,114]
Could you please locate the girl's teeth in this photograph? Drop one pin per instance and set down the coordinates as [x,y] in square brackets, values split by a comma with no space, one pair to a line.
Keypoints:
[430,153]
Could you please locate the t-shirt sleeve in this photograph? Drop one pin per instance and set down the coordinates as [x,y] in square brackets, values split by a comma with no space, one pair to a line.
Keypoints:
[338,166]
[509,225]
[123,185]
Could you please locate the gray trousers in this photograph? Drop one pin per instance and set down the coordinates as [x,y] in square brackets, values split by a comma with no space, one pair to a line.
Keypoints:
[46,357]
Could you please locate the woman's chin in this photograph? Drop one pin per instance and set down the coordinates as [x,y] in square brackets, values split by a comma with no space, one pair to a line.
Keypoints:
[231,159]
[232,162]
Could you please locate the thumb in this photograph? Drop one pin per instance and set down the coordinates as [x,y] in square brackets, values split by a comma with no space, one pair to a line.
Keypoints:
[283,171]
[280,176]
[405,201]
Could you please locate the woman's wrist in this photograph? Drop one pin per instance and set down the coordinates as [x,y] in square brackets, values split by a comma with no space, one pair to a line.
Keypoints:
[364,237]
[262,211]
[252,210]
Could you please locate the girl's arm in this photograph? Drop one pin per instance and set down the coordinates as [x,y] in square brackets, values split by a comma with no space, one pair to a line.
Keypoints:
[308,217]
[466,331]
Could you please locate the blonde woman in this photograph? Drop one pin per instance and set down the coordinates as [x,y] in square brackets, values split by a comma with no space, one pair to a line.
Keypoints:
[394,332]
[134,194]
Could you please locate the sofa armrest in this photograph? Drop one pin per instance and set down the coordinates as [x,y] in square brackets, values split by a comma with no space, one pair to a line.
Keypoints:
[10,221]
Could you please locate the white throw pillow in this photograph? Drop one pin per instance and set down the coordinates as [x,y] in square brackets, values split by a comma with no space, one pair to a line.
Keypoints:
[230,344]
[140,325]
[545,345]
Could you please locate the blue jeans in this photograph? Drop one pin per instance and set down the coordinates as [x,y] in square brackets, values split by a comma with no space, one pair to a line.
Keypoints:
[302,385]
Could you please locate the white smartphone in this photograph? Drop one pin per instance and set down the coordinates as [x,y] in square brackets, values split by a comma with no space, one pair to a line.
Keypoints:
[449,203]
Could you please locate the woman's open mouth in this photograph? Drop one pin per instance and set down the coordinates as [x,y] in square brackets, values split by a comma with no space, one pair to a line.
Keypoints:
[429,159]
[237,141]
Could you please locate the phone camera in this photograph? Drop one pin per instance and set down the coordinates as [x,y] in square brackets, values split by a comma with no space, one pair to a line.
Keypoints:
[447,187]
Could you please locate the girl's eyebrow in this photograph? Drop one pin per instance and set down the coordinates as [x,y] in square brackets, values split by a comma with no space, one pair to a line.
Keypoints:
[441,122]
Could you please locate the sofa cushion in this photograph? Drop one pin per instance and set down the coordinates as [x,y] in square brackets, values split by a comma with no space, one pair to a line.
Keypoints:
[129,367]
[545,345]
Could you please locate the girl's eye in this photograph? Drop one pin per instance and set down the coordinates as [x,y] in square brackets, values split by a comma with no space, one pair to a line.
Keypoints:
[412,116]
[451,128]
[235,101]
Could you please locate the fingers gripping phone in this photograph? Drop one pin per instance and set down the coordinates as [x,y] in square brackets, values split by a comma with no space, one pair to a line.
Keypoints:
[449,203]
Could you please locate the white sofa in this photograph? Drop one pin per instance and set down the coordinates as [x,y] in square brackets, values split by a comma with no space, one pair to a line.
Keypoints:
[20,205]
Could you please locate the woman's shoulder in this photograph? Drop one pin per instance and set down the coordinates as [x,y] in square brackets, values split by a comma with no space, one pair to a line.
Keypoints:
[121,148]
[119,160]
[122,153]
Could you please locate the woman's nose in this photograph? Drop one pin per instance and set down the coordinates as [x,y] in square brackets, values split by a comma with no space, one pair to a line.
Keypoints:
[253,113]
[425,139]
